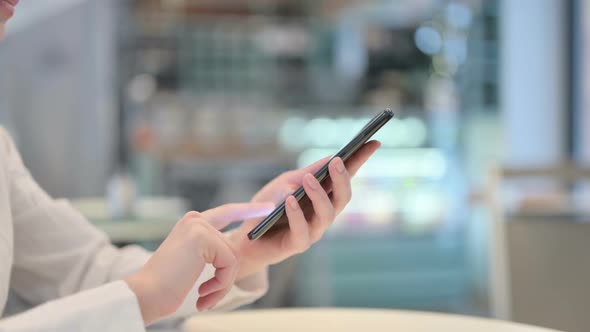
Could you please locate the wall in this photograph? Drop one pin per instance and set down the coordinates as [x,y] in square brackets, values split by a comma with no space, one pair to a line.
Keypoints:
[57,94]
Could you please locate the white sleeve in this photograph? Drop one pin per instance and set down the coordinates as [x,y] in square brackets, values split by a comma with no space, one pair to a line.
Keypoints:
[111,307]
[243,292]
[57,252]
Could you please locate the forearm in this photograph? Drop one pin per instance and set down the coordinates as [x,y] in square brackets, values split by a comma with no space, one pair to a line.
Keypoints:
[249,266]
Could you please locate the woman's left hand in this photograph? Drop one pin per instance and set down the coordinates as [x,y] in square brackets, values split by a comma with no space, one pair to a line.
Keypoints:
[306,226]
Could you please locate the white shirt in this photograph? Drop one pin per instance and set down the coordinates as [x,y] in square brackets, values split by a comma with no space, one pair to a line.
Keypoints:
[55,260]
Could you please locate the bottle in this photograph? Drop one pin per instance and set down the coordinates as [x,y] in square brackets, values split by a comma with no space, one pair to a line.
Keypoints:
[121,195]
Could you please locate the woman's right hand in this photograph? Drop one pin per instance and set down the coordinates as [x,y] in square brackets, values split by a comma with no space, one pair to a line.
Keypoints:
[165,280]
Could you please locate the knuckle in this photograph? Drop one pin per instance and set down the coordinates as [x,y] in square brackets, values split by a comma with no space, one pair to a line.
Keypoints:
[347,201]
[192,215]
[348,196]
[317,236]
[303,247]
[198,230]
[306,247]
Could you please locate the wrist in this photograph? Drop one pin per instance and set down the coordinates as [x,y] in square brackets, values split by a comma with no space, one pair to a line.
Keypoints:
[144,293]
[247,265]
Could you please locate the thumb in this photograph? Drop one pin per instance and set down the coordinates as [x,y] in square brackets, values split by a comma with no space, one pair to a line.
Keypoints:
[224,215]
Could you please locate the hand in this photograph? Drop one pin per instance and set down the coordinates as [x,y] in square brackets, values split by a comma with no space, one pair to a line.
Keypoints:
[307,224]
[165,280]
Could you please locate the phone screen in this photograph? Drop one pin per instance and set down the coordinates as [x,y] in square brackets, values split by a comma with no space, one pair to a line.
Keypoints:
[278,218]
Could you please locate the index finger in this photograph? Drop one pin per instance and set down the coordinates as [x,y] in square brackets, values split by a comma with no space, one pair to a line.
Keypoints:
[354,163]
[224,261]
[224,215]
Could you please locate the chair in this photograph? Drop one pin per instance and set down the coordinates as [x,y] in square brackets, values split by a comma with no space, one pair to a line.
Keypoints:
[540,262]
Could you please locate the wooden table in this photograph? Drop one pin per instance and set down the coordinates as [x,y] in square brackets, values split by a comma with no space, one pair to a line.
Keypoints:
[347,320]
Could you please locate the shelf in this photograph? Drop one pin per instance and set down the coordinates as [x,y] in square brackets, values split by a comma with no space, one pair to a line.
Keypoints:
[136,230]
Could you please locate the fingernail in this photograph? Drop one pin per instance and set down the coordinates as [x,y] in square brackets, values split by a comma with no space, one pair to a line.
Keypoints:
[312,182]
[340,166]
[293,203]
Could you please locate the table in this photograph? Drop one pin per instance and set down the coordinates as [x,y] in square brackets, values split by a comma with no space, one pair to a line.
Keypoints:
[345,320]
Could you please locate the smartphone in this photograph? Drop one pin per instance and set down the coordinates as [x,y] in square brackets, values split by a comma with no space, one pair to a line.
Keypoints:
[277,219]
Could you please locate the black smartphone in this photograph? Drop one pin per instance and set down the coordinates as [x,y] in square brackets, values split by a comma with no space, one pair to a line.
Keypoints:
[278,217]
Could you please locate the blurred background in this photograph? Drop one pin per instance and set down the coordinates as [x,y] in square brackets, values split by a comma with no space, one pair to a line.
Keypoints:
[476,204]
